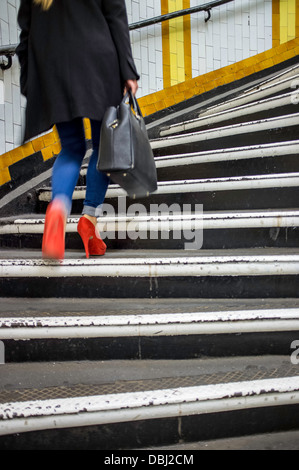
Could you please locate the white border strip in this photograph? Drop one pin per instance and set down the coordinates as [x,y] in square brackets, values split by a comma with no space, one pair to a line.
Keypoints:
[280,149]
[233,113]
[195,266]
[208,221]
[198,323]
[213,184]
[116,408]
[281,180]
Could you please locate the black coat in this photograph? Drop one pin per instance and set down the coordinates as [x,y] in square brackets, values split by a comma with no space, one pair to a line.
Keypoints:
[74,60]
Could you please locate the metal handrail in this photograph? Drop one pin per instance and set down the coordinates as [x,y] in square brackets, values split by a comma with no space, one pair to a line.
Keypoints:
[207,7]
[9,51]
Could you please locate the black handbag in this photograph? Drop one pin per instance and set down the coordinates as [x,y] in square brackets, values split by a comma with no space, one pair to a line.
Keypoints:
[125,153]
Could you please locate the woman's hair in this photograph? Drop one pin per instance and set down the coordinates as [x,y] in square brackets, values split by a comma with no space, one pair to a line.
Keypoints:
[45,4]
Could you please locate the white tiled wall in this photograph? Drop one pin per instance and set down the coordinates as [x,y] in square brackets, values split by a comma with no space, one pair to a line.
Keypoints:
[147,45]
[13,108]
[236,31]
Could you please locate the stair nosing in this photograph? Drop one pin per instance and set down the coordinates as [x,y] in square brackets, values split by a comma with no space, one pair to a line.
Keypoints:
[20,417]
[281,100]
[257,125]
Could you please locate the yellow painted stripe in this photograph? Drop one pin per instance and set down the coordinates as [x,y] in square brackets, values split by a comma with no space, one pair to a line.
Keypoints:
[176,34]
[176,44]
[287,20]
[275,23]
[187,42]
[165,46]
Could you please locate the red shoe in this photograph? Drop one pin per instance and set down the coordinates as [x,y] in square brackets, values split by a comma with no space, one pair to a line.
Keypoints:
[93,244]
[53,245]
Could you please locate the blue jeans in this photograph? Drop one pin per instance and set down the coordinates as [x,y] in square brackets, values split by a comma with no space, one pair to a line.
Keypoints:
[67,167]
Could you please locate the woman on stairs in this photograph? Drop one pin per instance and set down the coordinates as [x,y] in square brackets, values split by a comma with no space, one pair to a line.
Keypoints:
[76,61]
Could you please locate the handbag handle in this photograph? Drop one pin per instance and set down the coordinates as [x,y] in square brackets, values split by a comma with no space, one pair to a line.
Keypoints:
[134,103]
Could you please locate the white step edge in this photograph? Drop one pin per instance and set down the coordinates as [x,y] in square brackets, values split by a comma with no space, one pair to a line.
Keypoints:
[278,149]
[289,72]
[256,94]
[152,325]
[240,111]
[226,131]
[235,183]
[159,223]
[38,415]
[171,266]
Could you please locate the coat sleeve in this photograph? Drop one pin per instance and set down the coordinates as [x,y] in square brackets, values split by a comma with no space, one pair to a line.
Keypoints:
[115,13]
[24,20]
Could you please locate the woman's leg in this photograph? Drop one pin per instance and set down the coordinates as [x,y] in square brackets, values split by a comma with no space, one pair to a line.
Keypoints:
[96,188]
[67,166]
[96,182]
[64,178]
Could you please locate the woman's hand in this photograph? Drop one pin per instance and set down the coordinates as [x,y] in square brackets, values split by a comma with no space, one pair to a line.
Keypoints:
[131,85]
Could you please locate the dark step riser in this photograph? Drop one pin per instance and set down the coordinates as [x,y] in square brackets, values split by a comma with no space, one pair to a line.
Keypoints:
[246,199]
[212,239]
[238,140]
[137,348]
[222,287]
[230,120]
[159,432]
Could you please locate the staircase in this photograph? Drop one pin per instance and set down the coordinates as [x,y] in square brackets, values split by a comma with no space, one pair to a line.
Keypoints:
[186,333]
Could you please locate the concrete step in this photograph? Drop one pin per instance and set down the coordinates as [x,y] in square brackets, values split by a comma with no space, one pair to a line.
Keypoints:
[250,160]
[39,330]
[235,229]
[129,404]
[255,132]
[269,107]
[215,194]
[250,273]
[279,86]
[226,96]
